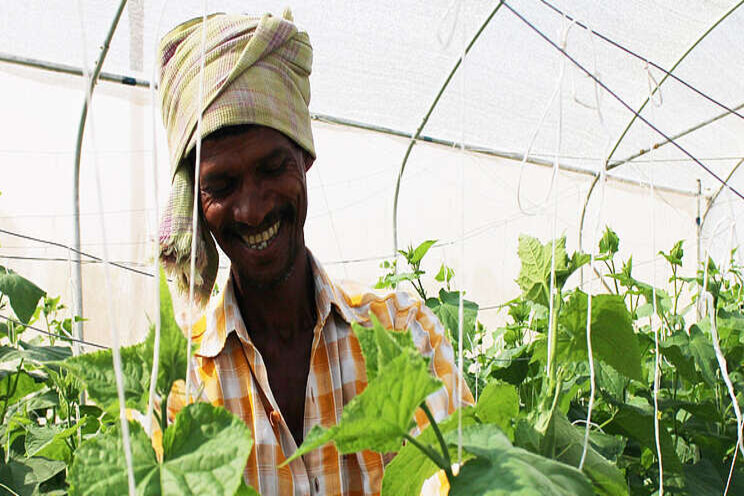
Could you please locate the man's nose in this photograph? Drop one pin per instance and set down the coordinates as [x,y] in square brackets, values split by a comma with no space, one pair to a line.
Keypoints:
[250,206]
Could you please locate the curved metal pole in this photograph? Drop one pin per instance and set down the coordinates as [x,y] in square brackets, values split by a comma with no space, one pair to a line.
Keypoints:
[78,300]
[640,109]
[643,152]
[426,119]
[713,198]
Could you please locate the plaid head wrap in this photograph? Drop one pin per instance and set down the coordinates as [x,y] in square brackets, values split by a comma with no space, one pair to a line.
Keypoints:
[255,72]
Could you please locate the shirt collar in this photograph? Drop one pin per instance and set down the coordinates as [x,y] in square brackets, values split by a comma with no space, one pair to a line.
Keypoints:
[223,313]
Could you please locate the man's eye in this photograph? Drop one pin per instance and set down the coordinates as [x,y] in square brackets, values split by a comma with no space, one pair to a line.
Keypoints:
[217,190]
[275,167]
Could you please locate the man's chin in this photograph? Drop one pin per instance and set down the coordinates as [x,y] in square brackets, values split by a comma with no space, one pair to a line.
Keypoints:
[253,279]
[250,281]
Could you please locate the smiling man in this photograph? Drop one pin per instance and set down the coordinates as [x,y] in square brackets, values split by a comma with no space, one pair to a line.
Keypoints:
[275,347]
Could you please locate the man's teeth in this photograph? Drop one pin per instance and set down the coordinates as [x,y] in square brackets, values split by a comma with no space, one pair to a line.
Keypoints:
[261,240]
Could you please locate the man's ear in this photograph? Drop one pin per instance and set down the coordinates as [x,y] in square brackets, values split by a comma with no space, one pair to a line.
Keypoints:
[309,160]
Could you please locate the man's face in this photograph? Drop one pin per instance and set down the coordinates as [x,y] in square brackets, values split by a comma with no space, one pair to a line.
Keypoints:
[254,200]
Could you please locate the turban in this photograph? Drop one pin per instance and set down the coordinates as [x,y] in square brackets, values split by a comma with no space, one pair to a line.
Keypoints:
[255,72]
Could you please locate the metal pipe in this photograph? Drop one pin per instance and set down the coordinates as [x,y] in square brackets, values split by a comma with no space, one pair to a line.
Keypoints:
[329,119]
[640,109]
[426,119]
[78,275]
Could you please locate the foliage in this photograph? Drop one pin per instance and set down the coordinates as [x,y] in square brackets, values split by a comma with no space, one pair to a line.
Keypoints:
[52,442]
[524,435]
[540,405]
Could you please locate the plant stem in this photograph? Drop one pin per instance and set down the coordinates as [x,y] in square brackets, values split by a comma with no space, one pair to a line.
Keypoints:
[164,413]
[432,455]
[552,345]
[614,271]
[440,438]
[11,390]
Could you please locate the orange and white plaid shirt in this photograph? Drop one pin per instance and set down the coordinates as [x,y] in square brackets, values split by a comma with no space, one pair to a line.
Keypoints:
[229,371]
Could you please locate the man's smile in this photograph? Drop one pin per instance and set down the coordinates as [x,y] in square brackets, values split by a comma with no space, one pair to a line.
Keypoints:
[261,240]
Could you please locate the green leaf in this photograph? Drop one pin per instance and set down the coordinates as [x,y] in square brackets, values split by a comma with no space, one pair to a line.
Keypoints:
[501,470]
[22,293]
[445,274]
[676,349]
[534,276]
[379,417]
[48,441]
[23,477]
[420,251]
[173,344]
[610,243]
[14,385]
[675,254]
[638,425]
[567,443]
[447,308]
[368,345]
[40,354]
[410,467]
[246,490]
[204,453]
[96,370]
[702,352]
[498,404]
[613,339]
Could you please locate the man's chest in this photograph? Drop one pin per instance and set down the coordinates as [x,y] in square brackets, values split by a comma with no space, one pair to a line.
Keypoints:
[287,372]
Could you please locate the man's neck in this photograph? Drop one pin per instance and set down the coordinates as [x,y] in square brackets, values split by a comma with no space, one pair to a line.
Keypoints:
[283,312]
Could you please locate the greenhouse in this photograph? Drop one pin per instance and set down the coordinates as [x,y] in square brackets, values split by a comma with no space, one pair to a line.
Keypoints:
[521,215]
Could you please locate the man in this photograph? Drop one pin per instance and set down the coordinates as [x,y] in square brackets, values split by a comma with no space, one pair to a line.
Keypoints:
[275,347]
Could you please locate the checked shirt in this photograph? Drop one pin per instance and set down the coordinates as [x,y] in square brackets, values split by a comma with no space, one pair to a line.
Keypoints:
[229,371]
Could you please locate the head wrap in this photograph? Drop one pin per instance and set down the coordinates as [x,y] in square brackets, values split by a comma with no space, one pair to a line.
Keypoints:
[255,72]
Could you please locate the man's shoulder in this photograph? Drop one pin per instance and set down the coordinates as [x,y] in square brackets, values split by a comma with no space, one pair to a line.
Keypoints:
[396,309]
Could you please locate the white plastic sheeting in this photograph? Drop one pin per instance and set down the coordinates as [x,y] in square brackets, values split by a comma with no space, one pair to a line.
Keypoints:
[382,63]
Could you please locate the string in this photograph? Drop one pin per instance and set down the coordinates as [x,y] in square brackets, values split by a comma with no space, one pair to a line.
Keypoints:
[556,91]
[598,223]
[106,270]
[721,359]
[553,191]
[461,307]
[330,219]
[195,215]
[657,358]
[156,262]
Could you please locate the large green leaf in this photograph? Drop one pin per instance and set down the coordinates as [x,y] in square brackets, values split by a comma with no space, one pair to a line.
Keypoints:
[368,345]
[23,476]
[96,370]
[501,469]
[381,415]
[638,425]
[447,308]
[410,467]
[173,344]
[676,349]
[498,404]
[14,385]
[380,346]
[22,293]
[41,354]
[702,352]
[613,339]
[50,442]
[566,444]
[204,453]
[534,276]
